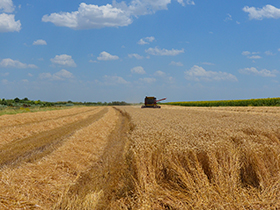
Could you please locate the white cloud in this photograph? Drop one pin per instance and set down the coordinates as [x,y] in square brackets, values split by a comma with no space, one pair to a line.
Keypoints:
[138,70]
[254,71]
[30,75]
[40,42]
[142,42]
[10,63]
[64,59]
[7,6]
[278,49]
[197,73]
[92,61]
[115,80]
[147,80]
[8,23]
[245,53]
[104,56]
[90,16]
[237,22]
[228,18]
[255,57]
[157,51]
[189,2]
[150,39]
[146,40]
[268,53]
[134,55]
[159,73]
[267,11]
[110,15]
[60,75]
[176,63]
[144,7]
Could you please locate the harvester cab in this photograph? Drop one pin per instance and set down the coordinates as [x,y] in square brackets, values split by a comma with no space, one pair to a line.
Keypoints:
[151,102]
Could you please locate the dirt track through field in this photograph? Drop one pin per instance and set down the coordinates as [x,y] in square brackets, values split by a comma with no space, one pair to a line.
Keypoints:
[105,180]
[37,146]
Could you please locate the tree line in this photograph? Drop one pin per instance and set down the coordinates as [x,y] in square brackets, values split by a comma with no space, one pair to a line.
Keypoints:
[25,102]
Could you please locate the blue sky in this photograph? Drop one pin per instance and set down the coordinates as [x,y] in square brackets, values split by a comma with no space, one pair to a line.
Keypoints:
[185,50]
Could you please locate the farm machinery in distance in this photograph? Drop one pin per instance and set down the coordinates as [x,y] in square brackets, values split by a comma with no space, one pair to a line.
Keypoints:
[151,102]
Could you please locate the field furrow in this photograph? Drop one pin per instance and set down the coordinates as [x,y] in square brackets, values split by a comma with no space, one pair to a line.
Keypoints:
[37,146]
[13,133]
[25,121]
[33,117]
[42,183]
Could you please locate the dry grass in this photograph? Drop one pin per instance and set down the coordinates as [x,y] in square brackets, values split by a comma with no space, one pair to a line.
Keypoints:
[204,158]
[16,127]
[169,158]
[42,184]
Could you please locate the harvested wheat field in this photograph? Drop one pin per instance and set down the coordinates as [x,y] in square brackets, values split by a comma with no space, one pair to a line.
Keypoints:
[133,158]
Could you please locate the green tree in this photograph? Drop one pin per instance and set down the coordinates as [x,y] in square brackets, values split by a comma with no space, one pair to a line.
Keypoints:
[16,100]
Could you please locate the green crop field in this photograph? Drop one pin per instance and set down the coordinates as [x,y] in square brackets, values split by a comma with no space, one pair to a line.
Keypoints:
[248,102]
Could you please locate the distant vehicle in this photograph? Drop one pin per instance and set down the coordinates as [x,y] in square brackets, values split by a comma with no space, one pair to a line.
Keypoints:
[151,102]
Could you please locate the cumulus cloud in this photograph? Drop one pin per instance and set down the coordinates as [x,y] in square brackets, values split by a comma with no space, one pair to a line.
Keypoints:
[60,75]
[142,42]
[10,63]
[115,80]
[134,55]
[159,73]
[267,11]
[147,80]
[8,23]
[104,56]
[90,16]
[158,51]
[7,6]
[176,63]
[65,60]
[110,15]
[198,73]
[146,40]
[254,71]
[138,70]
[40,42]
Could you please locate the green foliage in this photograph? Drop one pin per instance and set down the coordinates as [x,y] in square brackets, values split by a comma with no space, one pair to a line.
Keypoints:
[16,100]
[248,102]
[25,102]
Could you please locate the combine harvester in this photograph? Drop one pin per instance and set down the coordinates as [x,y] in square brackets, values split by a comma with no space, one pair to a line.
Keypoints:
[151,102]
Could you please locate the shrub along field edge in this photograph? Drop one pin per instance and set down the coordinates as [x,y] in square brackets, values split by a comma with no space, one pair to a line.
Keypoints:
[247,102]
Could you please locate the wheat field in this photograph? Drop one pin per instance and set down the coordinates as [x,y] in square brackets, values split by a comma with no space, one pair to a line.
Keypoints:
[133,158]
